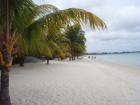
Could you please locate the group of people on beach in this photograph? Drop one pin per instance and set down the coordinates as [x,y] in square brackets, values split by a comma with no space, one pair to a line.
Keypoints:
[92,57]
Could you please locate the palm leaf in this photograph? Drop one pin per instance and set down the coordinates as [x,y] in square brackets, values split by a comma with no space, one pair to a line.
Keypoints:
[59,19]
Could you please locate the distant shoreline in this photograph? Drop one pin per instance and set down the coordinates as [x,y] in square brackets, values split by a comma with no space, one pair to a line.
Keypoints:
[105,53]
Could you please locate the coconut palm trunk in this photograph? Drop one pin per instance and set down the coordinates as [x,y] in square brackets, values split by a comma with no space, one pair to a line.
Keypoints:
[47,61]
[21,61]
[77,57]
[47,58]
[69,58]
[7,59]
[5,69]
[4,92]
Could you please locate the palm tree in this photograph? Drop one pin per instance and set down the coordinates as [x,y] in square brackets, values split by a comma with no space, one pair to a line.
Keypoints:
[81,47]
[23,18]
[49,46]
[7,17]
[76,38]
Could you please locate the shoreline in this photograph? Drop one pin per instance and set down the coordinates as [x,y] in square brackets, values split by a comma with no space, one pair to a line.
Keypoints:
[128,59]
[112,63]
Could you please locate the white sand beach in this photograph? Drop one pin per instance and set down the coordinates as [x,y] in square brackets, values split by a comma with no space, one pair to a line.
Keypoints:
[79,82]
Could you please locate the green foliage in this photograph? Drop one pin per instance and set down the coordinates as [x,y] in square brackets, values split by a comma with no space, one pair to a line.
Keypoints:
[40,28]
[77,40]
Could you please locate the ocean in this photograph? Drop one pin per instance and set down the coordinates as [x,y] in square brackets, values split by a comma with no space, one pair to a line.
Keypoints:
[130,59]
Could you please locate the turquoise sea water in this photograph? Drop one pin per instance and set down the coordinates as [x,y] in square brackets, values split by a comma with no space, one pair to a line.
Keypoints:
[131,59]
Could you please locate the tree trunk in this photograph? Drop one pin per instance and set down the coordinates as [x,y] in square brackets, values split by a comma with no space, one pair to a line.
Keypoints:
[21,61]
[69,58]
[74,57]
[7,58]
[47,61]
[5,68]
[4,91]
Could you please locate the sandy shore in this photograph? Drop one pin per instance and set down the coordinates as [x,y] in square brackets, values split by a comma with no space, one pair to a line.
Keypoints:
[75,83]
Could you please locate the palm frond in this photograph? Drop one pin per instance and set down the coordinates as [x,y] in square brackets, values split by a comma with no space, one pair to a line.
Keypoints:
[46,9]
[59,19]
[77,16]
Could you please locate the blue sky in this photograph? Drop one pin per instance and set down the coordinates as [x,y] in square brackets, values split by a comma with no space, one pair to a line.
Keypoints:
[121,16]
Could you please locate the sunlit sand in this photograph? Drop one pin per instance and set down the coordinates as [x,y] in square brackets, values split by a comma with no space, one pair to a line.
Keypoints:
[80,82]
